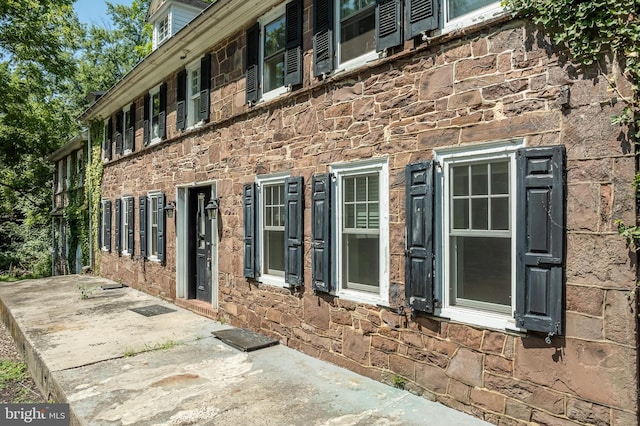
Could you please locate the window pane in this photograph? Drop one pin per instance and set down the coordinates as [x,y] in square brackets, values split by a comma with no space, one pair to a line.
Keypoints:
[361,189]
[500,213]
[460,7]
[499,178]
[374,216]
[460,180]
[481,268]
[461,214]
[274,39]
[373,194]
[274,73]
[361,216]
[479,179]
[349,190]
[479,213]
[360,255]
[274,252]
[349,216]
[357,30]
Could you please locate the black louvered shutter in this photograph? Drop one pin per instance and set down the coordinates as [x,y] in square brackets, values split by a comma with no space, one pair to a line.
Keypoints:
[322,37]
[249,207]
[293,47]
[294,231]
[118,245]
[181,104]
[388,24]
[162,116]
[205,84]
[540,239]
[118,133]
[107,225]
[253,63]
[321,233]
[108,139]
[162,236]
[130,230]
[142,207]
[131,138]
[418,260]
[420,16]
[146,124]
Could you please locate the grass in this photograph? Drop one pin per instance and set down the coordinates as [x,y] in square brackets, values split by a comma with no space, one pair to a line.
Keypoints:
[157,347]
[12,377]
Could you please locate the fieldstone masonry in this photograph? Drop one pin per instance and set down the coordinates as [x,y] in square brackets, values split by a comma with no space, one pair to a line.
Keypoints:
[499,82]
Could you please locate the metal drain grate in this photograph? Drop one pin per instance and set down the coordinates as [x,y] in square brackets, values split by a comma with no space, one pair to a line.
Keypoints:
[152,310]
[244,340]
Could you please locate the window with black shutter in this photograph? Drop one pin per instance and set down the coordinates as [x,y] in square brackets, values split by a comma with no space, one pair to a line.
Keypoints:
[146,123]
[252,55]
[500,211]
[321,243]
[294,230]
[142,208]
[205,85]
[181,104]
[249,222]
[108,137]
[293,44]
[118,226]
[106,225]
[130,236]
[118,133]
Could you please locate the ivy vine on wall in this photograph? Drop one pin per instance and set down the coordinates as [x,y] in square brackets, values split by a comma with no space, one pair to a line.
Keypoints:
[593,30]
[92,188]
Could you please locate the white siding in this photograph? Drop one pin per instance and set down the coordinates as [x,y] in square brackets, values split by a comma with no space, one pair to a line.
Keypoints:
[181,17]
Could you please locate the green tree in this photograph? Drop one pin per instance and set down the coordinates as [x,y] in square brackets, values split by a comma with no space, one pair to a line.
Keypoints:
[38,40]
[109,52]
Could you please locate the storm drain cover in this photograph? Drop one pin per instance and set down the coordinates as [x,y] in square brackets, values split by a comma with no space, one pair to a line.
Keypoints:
[152,310]
[244,340]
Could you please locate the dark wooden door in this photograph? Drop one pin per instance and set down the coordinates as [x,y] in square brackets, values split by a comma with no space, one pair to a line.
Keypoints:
[200,231]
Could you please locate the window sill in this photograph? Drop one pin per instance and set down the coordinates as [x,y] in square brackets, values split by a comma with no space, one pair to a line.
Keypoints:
[362,297]
[273,280]
[479,318]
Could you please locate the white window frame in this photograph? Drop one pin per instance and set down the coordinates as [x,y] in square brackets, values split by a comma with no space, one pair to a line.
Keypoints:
[266,19]
[125,225]
[103,227]
[162,36]
[60,183]
[355,62]
[152,93]
[151,211]
[472,18]
[126,113]
[263,181]
[193,113]
[105,135]
[68,165]
[446,158]
[367,167]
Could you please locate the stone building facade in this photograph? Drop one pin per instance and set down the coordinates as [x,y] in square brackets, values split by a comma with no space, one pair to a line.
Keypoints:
[193,216]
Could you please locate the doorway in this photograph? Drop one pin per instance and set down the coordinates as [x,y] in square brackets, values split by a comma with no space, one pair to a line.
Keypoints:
[197,245]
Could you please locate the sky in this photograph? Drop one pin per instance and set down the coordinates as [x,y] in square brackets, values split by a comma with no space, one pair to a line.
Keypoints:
[95,11]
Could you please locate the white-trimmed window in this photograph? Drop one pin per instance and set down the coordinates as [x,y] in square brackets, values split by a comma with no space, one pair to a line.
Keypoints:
[350,231]
[272,46]
[154,201]
[193,94]
[475,233]
[163,29]
[462,13]
[155,109]
[356,32]
[127,225]
[127,136]
[271,221]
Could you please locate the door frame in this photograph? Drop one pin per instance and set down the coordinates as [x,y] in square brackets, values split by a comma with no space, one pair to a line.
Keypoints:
[182,244]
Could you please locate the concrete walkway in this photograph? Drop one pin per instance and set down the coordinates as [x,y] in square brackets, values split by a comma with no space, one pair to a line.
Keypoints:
[117,367]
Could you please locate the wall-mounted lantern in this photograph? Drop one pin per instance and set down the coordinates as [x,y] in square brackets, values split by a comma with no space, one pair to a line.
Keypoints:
[212,209]
[169,209]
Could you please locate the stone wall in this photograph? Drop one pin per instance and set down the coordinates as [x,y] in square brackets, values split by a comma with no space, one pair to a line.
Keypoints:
[493,83]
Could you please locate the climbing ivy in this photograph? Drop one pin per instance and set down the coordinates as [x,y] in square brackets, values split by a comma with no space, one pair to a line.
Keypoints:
[92,187]
[593,31]
[77,221]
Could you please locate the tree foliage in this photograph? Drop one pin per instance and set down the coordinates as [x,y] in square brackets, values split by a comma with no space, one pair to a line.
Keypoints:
[49,62]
